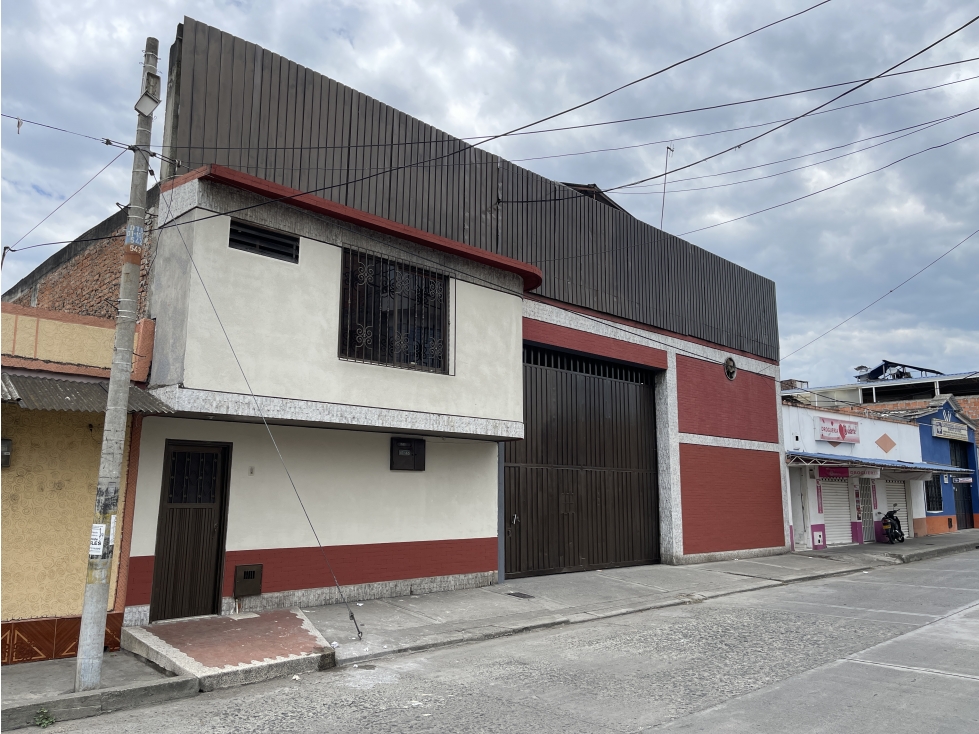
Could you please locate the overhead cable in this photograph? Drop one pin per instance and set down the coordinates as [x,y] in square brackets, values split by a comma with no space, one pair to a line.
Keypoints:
[881,298]
[828,188]
[797,168]
[804,114]
[65,201]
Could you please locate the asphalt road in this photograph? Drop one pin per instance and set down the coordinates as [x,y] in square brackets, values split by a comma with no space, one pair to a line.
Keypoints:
[895,648]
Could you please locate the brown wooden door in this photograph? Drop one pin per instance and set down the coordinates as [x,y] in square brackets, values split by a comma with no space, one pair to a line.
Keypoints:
[580,491]
[191,530]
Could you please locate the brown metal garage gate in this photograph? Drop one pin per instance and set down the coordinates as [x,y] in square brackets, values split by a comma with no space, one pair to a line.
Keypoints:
[580,490]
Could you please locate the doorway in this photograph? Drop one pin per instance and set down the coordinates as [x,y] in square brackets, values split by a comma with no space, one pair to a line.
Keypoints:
[580,491]
[191,530]
[963,506]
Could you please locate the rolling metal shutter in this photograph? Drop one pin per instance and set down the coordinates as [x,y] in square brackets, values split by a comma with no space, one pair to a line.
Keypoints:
[836,511]
[897,495]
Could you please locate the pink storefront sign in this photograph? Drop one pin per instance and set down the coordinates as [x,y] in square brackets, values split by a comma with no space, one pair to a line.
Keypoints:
[837,431]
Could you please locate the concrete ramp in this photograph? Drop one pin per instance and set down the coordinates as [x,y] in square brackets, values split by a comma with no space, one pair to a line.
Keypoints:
[233,650]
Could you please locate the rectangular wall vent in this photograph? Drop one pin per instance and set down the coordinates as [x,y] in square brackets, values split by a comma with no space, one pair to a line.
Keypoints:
[260,241]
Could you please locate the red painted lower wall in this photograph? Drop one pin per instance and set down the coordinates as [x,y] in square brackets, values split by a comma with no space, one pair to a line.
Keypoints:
[731,499]
[287,569]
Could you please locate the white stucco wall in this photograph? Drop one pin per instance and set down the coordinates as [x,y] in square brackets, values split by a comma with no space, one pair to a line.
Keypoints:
[800,430]
[346,484]
[284,321]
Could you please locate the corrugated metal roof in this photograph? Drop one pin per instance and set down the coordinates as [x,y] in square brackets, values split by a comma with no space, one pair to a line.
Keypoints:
[44,393]
[842,459]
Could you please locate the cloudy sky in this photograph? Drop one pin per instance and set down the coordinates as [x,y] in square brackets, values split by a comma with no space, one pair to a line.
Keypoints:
[484,67]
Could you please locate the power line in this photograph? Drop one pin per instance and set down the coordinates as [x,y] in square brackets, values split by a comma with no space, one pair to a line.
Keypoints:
[726,104]
[659,190]
[928,126]
[828,188]
[65,201]
[881,298]
[516,130]
[814,152]
[804,114]
[397,144]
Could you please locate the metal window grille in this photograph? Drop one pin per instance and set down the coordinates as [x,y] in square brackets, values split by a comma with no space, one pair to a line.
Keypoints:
[958,453]
[193,477]
[277,245]
[574,363]
[933,495]
[393,313]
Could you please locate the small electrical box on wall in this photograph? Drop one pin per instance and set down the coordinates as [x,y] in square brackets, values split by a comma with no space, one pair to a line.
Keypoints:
[817,537]
[8,447]
[407,454]
[248,580]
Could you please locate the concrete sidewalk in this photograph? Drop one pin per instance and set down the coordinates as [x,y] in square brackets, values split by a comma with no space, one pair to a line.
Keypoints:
[410,623]
[36,692]
[912,549]
[415,622]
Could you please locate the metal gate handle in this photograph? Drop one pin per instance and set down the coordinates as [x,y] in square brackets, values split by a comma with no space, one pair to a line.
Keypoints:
[515,520]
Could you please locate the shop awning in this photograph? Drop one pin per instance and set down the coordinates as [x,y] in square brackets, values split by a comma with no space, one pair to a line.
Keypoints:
[804,458]
[45,393]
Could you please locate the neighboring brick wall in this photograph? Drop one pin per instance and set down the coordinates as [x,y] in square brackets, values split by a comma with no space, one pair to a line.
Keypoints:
[83,278]
[712,405]
[731,499]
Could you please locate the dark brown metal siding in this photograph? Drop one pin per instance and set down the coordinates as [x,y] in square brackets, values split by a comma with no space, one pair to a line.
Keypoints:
[580,491]
[248,108]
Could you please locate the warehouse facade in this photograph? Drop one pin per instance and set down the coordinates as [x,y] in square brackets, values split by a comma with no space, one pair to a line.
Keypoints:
[590,391]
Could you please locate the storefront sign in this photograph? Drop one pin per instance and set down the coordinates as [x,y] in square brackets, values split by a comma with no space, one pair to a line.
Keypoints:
[830,429]
[962,480]
[842,472]
[947,429]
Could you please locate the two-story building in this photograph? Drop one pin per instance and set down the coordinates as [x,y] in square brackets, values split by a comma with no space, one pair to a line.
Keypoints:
[400,363]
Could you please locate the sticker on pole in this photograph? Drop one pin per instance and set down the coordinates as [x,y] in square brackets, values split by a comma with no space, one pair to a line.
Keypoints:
[112,532]
[97,542]
[134,235]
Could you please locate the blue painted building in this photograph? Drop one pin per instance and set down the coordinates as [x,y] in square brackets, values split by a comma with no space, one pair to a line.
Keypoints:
[948,437]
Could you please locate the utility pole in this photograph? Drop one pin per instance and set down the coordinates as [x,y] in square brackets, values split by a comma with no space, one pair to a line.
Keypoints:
[666,166]
[91,639]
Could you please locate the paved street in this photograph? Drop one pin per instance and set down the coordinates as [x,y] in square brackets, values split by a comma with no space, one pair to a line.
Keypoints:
[817,656]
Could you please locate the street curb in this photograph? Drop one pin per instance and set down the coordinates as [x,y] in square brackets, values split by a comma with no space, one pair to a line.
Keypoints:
[494,632]
[477,634]
[94,703]
[924,555]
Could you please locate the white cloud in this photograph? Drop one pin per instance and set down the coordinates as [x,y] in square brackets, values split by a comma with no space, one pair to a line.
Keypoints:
[474,68]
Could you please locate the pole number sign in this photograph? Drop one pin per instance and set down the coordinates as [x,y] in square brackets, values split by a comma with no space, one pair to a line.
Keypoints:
[837,431]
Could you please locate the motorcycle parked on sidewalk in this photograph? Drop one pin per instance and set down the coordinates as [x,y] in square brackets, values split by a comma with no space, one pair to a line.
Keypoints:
[891,524]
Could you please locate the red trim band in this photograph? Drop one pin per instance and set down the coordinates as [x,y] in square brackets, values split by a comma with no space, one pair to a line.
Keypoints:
[289,569]
[540,332]
[531,275]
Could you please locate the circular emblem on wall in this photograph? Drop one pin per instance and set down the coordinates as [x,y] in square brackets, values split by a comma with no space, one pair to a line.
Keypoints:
[730,369]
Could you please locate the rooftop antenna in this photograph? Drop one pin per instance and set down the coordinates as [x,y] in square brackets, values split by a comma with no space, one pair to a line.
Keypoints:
[666,165]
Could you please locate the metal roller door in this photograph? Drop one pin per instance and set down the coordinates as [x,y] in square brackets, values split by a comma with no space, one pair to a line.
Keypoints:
[836,511]
[897,495]
[580,490]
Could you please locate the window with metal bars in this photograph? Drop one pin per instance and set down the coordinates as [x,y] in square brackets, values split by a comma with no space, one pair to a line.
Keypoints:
[193,477]
[959,454]
[933,495]
[393,313]
[542,357]
[277,245]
